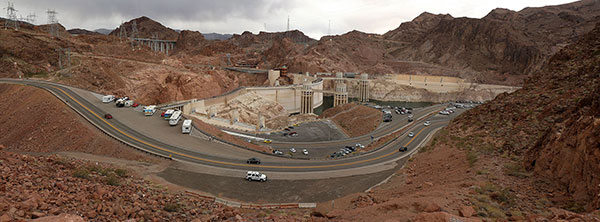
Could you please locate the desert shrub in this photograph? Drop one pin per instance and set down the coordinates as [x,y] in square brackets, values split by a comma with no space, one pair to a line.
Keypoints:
[172,207]
[112,180]
[81,173]
[471,158]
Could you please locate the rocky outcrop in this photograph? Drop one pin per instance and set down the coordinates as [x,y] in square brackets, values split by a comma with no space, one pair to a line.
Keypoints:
[146,28]
[552,122]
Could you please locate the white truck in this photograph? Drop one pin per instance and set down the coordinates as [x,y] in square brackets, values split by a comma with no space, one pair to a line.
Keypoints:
[108,98]
[186,127]
[149,110]
[255,175]
[174,120]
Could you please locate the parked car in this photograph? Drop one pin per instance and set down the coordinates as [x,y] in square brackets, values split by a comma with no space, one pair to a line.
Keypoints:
[410,119]
[304,151]
[358,145]
[277,152]
[293,150]
[253,160]
[427,123]
[108,116]
[135,105]
[255,175]
[267,141]
[403,149]
[411,134]
[443,112]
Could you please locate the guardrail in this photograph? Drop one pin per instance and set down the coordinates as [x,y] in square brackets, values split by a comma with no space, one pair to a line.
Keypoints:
[231,203]
[97,126]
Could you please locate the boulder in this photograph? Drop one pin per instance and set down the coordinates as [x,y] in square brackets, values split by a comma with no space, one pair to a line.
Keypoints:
[466,211]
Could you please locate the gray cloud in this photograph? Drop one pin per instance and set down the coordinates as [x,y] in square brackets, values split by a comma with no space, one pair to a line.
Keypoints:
[236,16]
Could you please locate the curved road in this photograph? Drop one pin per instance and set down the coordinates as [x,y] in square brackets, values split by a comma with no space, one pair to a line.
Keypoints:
[124,133]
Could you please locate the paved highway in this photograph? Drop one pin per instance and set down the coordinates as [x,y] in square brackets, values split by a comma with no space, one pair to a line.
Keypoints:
[89,110]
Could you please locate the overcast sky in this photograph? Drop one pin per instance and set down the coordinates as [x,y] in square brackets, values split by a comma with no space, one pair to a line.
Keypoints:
[235,16]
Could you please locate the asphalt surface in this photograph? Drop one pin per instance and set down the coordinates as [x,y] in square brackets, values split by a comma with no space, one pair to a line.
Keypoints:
[118,129]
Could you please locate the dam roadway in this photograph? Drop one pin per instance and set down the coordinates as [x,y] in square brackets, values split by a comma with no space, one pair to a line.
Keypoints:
[218,156]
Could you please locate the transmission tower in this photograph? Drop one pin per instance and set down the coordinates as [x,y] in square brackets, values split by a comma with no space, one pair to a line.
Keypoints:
[11,16]
[53,22]
[122,31]
[134,30]
[64,54]
[31,18]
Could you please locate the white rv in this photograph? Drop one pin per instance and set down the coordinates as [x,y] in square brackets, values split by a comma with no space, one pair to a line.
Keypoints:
[174,120]
[186,127]
[108,98]
[149,110]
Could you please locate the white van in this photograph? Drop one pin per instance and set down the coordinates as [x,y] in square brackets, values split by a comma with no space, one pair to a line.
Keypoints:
[174,120]
[186,127]
[108,98]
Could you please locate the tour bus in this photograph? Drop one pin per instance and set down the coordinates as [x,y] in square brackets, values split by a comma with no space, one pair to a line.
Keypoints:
[168,114]
[149,110]
[174,120]
[186,127]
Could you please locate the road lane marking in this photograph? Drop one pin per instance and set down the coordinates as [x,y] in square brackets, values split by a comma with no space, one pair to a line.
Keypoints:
[228,163]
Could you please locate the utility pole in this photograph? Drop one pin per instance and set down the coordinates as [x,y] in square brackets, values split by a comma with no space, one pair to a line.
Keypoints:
[288,24]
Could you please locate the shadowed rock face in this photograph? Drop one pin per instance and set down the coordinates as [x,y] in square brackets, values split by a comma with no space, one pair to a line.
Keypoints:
[553,122]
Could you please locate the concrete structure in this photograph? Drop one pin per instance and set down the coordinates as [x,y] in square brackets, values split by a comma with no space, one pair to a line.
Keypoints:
[157,45]
[341,95]
[273,75]
[306,99]
[363,88]
[288,96]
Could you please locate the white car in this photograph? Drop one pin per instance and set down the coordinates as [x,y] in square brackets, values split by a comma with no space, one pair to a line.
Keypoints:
[411,134]
[305,152]
[293,150]
[427,123]
[358,145]
[410,116]
[443,112]
[255,175]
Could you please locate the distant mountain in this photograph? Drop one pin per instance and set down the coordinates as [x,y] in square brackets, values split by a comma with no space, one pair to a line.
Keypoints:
[216,36]
[103,31]
[147,28]
[82,32]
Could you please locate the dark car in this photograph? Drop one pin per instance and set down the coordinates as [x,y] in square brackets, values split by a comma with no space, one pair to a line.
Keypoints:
[410,119]
[108,116]
[403,149]
[253,160]
[287,129]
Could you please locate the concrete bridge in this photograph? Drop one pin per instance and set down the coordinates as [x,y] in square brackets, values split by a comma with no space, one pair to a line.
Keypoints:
[157,45]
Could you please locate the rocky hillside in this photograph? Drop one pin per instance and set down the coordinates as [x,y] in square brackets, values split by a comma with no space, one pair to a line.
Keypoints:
[532,155]
[355,120]
[552,122]
[48,188]
[146,28]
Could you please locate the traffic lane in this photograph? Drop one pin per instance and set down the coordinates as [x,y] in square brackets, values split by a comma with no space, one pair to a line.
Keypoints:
[391,127]
[244,166]
[343,165]
[320,149]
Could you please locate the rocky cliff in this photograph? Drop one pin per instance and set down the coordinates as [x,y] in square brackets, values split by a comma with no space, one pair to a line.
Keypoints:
[146,28]
[552,122]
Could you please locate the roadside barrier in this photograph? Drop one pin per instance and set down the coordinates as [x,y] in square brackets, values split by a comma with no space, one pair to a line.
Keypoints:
[231,203]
